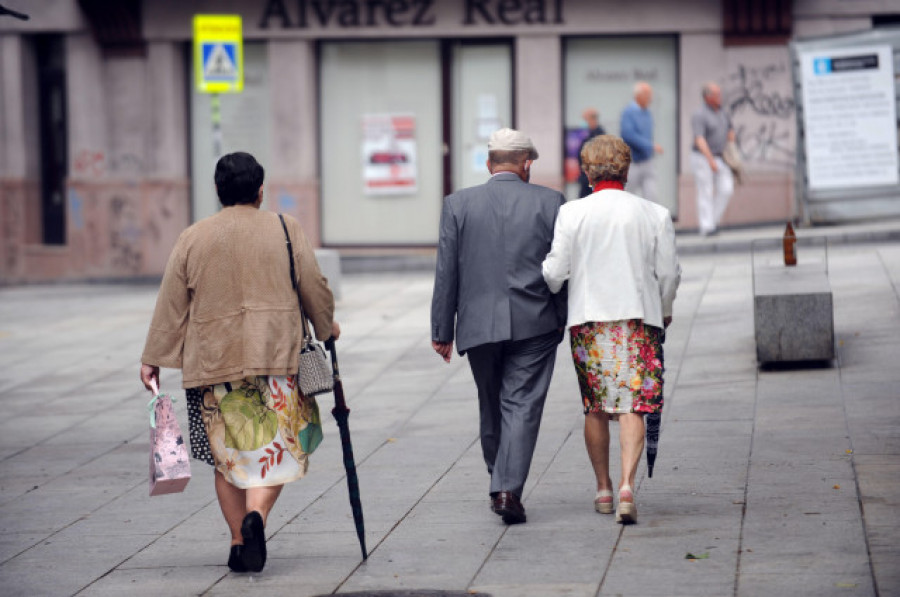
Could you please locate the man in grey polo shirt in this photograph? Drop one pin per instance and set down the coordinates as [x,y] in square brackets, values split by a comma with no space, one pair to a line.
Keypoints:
[712,130]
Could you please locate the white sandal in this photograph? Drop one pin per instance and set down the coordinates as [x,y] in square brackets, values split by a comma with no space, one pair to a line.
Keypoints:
[626,512]
[603,503]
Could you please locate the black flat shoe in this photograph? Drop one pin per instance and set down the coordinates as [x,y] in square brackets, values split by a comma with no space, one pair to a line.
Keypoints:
[235,560]
[253,553]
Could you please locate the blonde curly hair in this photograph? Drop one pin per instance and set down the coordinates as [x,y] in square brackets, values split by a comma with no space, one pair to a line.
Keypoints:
[606,158]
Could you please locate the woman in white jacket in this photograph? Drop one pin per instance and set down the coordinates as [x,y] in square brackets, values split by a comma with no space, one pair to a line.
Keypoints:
[617,252]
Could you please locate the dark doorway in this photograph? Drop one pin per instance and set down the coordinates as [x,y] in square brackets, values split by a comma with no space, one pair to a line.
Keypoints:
[51,66]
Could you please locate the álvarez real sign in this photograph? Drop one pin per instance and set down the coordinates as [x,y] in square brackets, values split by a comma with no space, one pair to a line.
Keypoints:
[218,53]
[301,14]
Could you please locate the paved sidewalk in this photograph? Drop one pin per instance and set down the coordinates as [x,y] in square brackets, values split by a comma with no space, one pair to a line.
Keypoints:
[781,482]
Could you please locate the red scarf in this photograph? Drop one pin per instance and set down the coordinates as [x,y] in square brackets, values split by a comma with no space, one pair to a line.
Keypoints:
[608,184]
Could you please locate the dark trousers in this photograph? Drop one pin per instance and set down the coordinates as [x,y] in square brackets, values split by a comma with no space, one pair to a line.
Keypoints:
[512,378]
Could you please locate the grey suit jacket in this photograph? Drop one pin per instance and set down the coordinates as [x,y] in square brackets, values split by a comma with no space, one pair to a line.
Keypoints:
[493,239]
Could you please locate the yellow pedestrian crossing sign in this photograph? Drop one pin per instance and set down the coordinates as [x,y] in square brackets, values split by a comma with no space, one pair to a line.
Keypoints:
[218,53]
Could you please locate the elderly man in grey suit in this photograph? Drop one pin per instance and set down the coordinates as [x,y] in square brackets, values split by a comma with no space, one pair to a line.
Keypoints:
[493,239]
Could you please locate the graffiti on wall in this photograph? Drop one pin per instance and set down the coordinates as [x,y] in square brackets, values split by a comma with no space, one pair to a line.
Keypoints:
[759,96]
[124,235]
[159,222]
[76,210]
[126,164]
[96,164]
[13,218]
[89,164]
[287,203]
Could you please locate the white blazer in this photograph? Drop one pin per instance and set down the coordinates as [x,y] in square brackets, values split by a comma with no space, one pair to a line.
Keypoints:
[618,253]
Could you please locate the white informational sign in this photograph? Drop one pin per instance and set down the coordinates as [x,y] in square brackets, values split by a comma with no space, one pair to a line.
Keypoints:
[849,117]
[389,154]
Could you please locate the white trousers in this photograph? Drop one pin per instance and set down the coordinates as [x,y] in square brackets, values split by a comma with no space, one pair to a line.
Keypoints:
[714,190]
[642,180]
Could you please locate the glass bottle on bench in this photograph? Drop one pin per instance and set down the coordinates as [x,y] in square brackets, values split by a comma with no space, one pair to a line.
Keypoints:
[790,245]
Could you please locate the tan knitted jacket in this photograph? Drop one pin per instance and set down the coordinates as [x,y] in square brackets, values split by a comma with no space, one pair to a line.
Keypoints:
[226,308]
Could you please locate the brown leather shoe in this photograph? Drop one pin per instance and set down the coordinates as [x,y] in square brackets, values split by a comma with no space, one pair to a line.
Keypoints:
[508,506]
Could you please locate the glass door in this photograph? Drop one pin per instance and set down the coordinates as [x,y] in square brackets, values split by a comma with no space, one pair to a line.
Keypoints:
[381,144]
[481,100]
[600,73]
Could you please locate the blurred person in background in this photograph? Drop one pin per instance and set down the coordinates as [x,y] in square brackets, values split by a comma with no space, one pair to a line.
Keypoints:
[712,131]
[227,315]
[636,127]
[592,118]
[617,253]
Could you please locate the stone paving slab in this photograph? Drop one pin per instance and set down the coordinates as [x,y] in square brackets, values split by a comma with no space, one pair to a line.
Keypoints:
[786,480]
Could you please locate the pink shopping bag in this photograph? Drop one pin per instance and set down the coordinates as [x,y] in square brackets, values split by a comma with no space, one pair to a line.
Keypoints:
[170,468]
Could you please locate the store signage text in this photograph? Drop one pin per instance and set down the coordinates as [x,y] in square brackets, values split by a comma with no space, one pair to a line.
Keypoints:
[300,14]
[636,74]
[512,12]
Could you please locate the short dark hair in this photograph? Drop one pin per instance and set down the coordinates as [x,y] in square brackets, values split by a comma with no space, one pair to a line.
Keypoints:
[238,178]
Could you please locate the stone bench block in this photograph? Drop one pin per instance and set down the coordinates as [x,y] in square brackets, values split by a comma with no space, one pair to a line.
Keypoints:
[793,314]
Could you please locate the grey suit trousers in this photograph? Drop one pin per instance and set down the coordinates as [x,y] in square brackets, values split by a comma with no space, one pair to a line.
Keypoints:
[512,378]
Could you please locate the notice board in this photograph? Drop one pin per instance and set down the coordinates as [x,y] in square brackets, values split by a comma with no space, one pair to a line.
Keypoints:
[847,131]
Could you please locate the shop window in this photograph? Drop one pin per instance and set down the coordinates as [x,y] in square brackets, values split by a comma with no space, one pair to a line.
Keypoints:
[381,142]
[116,26]
[600,73]
[886,20]
[751,22]
[53,126]
[479,97]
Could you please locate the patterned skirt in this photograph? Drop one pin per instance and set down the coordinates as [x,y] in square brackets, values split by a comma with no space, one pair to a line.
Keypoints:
[619,366]
[257,431]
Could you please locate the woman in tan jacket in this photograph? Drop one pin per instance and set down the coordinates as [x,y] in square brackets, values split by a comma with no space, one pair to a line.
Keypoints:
[227,316]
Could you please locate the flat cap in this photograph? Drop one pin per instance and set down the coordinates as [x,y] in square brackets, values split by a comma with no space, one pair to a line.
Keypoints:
[511,140]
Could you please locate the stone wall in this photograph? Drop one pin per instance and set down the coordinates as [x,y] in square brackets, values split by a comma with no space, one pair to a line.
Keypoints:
[127,195]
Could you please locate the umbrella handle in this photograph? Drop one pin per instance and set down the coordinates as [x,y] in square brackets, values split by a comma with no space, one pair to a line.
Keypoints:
[339,402]
[329,344]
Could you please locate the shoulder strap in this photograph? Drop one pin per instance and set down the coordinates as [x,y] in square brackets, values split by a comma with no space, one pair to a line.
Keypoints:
[290,249]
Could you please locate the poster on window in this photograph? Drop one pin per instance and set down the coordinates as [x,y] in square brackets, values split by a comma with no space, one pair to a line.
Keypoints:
[850,121]
[389,154]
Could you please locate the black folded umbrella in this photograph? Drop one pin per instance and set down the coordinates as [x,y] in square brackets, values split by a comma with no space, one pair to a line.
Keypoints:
[654,421]
[341,413]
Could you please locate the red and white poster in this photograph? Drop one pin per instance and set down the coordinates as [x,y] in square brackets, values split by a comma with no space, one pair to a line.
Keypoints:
[389,154]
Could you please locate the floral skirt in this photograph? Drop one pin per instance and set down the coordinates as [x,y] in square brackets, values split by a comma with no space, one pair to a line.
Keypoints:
[257,431]
[619,366]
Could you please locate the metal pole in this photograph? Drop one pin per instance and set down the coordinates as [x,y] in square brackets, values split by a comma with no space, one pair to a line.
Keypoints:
[216,117]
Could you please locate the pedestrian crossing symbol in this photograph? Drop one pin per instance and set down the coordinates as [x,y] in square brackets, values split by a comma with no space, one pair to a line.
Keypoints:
[218,53]
[219,61]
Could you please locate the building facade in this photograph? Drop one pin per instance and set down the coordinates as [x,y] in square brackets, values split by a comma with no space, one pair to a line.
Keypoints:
[365,113]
